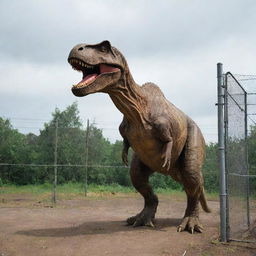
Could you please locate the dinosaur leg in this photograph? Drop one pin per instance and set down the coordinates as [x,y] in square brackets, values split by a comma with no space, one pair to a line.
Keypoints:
[192,179]
[190,221]
[140,177]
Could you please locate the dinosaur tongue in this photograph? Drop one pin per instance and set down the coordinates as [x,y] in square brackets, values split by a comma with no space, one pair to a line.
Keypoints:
[88,79]
[92,77]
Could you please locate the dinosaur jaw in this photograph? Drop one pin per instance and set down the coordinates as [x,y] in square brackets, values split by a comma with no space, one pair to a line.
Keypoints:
[95,77]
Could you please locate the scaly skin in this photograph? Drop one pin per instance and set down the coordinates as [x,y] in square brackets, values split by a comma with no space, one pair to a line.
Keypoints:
[164,139]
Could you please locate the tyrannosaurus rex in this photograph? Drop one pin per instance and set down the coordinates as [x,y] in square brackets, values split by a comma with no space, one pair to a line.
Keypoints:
[164,139]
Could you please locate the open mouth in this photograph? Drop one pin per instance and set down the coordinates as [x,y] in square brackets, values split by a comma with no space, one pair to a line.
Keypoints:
[90,72]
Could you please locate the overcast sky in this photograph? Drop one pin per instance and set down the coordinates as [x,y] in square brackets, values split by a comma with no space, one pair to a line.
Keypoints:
[175,44]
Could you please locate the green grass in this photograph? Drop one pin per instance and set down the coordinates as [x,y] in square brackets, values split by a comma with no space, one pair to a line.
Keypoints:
[28,189]
[68,188]
[78,189]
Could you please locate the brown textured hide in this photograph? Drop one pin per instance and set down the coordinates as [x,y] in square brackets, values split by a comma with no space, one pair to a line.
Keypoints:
[164,139]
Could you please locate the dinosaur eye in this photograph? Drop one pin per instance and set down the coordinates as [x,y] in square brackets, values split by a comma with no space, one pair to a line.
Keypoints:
[103,48]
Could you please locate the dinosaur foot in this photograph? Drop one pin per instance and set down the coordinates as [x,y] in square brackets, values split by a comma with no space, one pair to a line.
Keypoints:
[145,218]
[190,224]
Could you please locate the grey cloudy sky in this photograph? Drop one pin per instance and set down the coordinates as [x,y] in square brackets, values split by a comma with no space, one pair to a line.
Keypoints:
[175,44]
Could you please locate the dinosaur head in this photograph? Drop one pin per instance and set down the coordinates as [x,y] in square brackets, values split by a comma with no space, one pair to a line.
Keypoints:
[101,66]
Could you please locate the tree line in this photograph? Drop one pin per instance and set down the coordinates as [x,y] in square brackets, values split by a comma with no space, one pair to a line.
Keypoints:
[104,158]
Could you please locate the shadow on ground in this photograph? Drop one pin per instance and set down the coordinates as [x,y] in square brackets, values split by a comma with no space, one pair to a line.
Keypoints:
[97,227]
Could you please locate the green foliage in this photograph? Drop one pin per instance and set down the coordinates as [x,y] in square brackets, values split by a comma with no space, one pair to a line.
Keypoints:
[210,168]
[16,148]
[164,182]
[252,159]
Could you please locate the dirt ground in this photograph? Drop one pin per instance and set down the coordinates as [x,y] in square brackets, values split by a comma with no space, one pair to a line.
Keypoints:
[96,226]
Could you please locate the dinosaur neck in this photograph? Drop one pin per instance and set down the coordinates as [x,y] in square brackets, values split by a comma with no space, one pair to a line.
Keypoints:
[129,99]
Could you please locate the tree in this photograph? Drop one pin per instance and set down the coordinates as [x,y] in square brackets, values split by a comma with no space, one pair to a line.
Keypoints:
[14,149]
[70,143]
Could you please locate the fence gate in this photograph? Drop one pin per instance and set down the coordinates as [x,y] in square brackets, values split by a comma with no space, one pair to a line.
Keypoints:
[236,209]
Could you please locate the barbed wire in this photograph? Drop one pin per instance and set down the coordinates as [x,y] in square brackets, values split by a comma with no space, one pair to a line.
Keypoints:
[65,165]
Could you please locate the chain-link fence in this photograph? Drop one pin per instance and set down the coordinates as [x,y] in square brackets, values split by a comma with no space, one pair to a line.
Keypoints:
[237,157]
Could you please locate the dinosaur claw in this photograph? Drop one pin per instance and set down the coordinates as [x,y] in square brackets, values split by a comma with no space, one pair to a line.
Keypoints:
[191,224]
[150,224]
[166,164]
[136,224]
[124,158]
[199,228]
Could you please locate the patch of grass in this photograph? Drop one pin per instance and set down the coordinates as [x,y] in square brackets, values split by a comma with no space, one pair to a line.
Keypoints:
[28,189]
[214,196]
[114,188]
[77,189]
[168,191]
[67,188]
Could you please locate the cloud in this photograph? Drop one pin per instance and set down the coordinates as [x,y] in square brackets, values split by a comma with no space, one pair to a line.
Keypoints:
[50,28]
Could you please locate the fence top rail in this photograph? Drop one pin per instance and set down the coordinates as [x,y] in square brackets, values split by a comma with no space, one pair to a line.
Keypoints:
[230,74]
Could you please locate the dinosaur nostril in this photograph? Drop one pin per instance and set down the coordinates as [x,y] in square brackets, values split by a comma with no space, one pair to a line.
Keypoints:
[80,49]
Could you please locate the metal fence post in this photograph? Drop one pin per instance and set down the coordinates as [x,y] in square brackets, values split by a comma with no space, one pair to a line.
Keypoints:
[55,162]
[86,158]
[221,145]
[247,160]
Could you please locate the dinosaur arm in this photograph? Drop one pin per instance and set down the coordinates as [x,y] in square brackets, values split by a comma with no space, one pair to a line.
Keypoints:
[126,144]
[126,147]
[163,133]
[166,154]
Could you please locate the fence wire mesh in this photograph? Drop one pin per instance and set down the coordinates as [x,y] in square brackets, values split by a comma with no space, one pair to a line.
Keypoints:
[239,177]
[59,155]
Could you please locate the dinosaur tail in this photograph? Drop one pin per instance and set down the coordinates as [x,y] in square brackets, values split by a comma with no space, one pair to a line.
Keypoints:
[204,202]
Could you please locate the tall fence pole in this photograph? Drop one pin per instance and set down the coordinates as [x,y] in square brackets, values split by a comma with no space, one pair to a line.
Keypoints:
[247,160]
[221,145]
[86,157]
[55,162]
